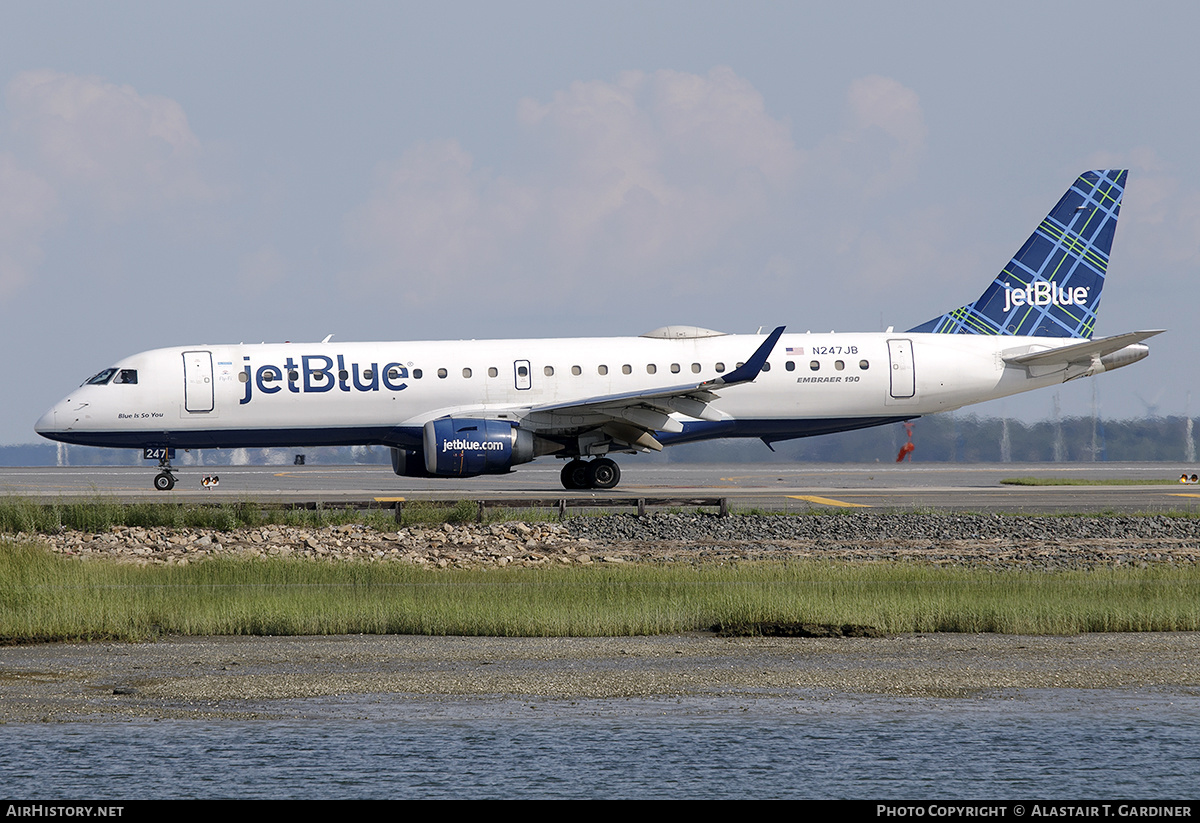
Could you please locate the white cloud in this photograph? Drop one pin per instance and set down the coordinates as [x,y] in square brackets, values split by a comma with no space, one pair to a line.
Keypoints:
[882,142]
[433,216]
[26,211]
[121,150]
[651,170]
[80,147]
[659,168]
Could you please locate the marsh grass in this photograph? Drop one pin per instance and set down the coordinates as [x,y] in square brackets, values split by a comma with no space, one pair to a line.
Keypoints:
[47,597]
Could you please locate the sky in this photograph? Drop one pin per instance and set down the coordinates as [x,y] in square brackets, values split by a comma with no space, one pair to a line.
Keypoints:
[180,173]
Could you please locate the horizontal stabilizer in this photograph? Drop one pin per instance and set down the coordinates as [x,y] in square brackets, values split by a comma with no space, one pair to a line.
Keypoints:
[1080,352]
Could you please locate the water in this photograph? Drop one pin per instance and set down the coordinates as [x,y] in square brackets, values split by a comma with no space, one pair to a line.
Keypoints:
[1029,744]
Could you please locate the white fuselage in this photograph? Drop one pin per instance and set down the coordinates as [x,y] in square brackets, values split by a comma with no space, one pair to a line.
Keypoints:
[308,394]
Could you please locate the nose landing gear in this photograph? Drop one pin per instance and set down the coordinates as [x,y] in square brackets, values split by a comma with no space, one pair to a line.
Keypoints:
[601,473]
[164,481]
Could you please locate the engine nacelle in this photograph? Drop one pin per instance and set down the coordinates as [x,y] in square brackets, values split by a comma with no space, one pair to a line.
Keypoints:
[408,463]
[465,447]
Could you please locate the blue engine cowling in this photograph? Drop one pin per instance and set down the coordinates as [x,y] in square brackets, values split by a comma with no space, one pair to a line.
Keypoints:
[408,463]
[465,447]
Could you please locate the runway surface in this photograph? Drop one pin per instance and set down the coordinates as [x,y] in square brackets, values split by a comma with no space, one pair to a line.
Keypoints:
[775,487]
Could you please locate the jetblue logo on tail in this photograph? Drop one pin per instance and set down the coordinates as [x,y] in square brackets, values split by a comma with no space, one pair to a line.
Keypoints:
[1044,294]
[1051,287]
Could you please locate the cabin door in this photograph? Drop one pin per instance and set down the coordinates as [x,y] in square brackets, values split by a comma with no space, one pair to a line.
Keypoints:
[197,381]
[904,380]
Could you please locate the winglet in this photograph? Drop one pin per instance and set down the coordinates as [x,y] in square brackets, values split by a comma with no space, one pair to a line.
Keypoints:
[751,368]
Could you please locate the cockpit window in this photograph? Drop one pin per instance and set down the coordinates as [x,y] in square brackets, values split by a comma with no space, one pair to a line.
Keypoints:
[101,378]
[126,376]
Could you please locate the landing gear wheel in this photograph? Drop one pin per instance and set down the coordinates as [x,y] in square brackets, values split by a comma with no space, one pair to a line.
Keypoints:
[164,482]
[603,474]
[574,475]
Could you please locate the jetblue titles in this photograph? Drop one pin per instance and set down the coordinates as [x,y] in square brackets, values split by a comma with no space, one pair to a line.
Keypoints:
[1044,294]
[317,373]
[460,444]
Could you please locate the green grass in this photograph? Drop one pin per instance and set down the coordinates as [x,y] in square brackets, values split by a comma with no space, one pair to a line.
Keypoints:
[46,597]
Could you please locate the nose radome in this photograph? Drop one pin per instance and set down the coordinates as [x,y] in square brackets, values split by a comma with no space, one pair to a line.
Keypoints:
[48,422]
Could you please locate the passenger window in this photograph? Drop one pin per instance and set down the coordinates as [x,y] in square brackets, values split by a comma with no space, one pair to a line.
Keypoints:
[243,377]
[766,366]
[815,365]
[267,376]
[674,368]
[602,369]
[575,370]
[720,368]
[651,368]
[839,364]
[442,373]
[864,365]
[293,376]
[466,372]
[417,374]
[695,368]
[493,371]
[343,375]
[548,371]
[790,365]
[522,371]
[627,369]
[368,375]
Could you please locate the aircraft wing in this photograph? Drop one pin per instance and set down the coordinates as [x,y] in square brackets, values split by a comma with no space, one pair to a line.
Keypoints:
[632,417]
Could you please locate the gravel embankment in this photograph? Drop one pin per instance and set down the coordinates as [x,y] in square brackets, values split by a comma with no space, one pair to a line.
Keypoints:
[948,539]
[972,540]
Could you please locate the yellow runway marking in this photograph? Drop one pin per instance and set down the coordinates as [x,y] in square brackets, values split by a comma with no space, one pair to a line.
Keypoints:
[826,501]
[1178,494]
[389,499]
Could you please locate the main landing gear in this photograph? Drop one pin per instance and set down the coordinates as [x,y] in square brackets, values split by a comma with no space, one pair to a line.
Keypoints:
[601,473]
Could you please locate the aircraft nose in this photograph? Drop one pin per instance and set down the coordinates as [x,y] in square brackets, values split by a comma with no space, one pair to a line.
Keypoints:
[48,422]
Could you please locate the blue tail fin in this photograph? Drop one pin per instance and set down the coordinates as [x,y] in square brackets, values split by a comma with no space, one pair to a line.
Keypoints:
[1051,288]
